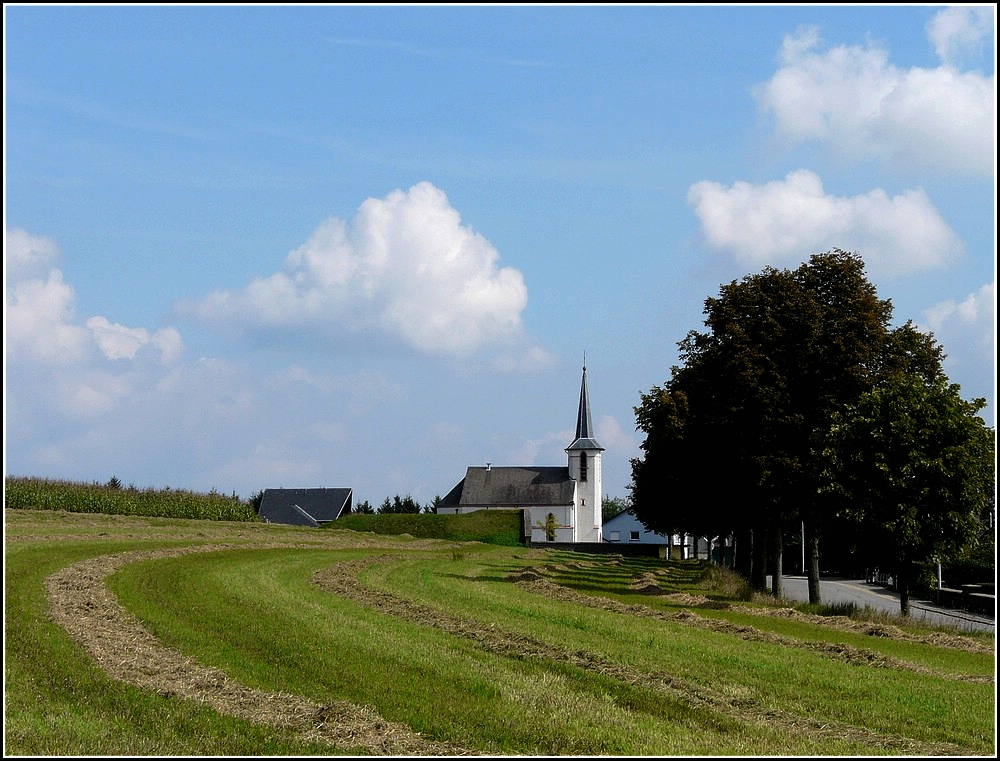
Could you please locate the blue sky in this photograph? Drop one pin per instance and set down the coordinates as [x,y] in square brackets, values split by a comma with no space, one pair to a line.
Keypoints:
[262,246]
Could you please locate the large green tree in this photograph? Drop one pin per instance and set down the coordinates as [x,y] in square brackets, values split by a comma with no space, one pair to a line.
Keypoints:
[912,467]
[729,436]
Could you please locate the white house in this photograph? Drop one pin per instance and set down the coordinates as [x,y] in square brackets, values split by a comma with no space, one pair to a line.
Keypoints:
[561,504]
[626,528]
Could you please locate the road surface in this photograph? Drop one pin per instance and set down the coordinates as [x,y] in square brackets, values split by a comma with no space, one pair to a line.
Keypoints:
[861,593]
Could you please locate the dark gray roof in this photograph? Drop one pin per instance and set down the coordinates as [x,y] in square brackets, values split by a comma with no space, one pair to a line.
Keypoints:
[304,507]
[512,487]
[584,427]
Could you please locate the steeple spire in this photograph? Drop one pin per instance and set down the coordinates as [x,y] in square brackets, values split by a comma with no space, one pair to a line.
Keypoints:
[584,426]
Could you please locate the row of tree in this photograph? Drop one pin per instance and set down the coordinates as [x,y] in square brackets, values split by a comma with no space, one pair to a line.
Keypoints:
[397,504]
[800,406]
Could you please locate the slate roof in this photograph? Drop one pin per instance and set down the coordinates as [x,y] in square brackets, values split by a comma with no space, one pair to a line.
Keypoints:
[305,507]
[512,487]
[584,427]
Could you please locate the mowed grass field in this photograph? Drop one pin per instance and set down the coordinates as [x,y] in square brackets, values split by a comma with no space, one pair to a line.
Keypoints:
[132,636]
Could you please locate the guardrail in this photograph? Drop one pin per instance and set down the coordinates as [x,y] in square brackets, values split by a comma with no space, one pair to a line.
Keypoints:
[967,598]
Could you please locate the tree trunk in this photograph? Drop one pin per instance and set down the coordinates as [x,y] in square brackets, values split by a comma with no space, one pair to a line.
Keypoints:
[903,587]
[758,573]
[776,551]
[812,563]
[742,553]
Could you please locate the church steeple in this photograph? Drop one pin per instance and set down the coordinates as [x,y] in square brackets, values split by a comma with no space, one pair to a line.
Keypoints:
[584,426]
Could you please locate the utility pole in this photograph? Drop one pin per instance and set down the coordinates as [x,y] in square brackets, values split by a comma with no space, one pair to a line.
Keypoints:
[803,548]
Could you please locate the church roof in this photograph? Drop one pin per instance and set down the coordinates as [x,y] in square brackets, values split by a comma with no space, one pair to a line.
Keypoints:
[584,426]
[512,487]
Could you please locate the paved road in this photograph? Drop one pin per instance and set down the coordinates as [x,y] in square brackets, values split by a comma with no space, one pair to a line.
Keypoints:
[861,593]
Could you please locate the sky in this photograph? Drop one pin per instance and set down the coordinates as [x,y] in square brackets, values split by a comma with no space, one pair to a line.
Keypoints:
[251,247]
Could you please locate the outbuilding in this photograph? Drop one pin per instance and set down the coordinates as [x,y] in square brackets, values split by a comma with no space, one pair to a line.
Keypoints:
[305,507]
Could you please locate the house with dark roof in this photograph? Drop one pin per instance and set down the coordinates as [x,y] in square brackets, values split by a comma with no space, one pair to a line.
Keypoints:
[560,504]
[305,507]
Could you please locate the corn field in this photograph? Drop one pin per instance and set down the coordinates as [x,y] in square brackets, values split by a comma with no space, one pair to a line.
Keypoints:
[41,494]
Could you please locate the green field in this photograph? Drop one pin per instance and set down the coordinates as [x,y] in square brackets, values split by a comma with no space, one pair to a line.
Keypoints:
[128,635]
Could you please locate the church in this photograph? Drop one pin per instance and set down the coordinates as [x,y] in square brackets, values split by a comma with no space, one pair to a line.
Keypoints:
[560,504]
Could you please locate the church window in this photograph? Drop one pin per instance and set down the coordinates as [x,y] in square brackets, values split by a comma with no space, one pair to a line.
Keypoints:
[583,466]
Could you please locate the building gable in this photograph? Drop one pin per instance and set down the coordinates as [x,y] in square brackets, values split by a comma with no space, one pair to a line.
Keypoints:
[305,507]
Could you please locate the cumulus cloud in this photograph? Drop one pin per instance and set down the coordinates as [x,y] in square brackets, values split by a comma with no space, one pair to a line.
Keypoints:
[27,255]
[38,319]
[854,100]
[40,314]
[779,222]
[959,33]
[120,342]
[974,316]
[615,439]
[405,271]
[967,331]
[529,360]
[550,448]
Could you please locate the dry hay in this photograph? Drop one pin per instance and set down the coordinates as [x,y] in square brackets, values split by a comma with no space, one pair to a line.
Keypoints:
[82,604]
[85,607]
[341,579]
[691,601]
[873,629]
[846,653]
[646,584]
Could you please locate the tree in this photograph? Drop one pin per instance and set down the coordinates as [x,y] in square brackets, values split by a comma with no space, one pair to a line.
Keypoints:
[913,466]
[255,500]
[364,508]
[611,506]
[400,505]
[731,432]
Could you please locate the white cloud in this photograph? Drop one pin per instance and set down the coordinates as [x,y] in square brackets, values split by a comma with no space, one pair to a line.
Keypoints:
[549,450]
[38,318]
[779,222]
[529,360]
[405,271]
[854,100]
[40,314]
[620,443]
[966,330]
[91,394]
[960,32]
[974,316]
[27,255]
[119,342]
